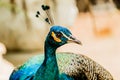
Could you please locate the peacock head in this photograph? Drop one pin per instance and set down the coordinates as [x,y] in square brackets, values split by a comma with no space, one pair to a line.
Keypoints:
[59,36]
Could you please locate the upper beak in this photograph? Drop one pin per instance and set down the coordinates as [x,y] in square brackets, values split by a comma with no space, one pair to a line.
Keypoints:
[74,40]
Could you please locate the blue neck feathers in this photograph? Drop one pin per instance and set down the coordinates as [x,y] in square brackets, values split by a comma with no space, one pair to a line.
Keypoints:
[49,68]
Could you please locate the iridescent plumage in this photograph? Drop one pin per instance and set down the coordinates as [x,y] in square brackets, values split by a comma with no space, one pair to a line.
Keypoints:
[60,66]
[67,66]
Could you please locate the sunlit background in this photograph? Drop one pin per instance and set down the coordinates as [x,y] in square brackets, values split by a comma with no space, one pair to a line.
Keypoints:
[96,23]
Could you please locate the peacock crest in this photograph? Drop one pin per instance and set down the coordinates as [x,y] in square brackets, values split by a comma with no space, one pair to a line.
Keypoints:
[49,19]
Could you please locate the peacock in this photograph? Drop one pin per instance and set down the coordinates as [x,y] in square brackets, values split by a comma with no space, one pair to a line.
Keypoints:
[59,66]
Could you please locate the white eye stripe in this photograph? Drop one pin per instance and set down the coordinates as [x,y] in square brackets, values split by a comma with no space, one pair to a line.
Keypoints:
[65,35]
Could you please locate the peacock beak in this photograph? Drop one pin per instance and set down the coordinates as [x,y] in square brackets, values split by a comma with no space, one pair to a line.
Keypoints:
[72,39]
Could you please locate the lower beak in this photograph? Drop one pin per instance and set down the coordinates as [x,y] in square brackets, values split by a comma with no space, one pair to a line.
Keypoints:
[74,40]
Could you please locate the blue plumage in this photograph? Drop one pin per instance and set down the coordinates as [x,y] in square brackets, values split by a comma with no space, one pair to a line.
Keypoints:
[48,69]
[28,69]
[61,66]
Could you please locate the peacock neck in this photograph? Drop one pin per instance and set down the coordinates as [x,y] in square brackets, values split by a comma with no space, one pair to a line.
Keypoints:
[49,68]
[50,51]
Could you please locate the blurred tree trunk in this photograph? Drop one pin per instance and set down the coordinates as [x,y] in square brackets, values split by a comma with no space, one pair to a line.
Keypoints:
[13,6]
[27,20]
[117,3]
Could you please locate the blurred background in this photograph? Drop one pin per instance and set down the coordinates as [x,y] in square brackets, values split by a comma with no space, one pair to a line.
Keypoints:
[95,22]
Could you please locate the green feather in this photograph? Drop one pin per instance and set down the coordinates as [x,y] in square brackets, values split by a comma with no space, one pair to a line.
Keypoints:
[60,66]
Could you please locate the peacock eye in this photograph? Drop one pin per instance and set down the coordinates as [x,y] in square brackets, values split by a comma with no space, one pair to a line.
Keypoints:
[59,35]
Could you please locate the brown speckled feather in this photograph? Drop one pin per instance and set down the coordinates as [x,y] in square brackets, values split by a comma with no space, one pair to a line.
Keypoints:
[81,67]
